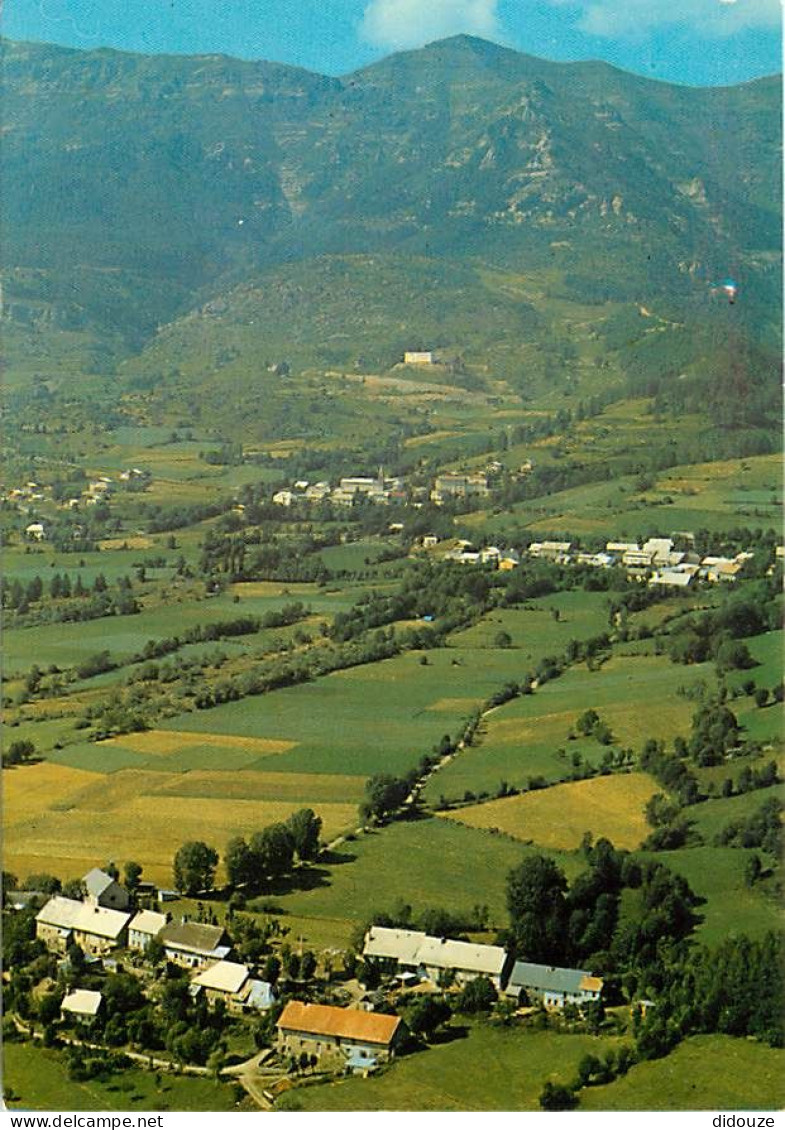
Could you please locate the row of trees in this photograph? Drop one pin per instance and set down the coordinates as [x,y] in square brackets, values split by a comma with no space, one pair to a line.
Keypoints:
[223,629]
[268,855]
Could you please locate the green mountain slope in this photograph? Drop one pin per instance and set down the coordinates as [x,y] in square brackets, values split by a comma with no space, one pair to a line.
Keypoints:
[137,187]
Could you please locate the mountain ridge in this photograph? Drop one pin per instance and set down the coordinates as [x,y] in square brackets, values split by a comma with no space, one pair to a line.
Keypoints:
[154,182]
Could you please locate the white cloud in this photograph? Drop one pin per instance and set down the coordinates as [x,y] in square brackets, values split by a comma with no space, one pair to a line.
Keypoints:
[615,19]
[400,24]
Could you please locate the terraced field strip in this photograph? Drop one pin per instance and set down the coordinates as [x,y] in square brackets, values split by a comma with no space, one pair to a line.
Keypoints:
[165,742]
[559,816]
[310,789]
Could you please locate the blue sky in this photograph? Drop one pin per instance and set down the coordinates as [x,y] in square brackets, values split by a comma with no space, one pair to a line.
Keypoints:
[701,42]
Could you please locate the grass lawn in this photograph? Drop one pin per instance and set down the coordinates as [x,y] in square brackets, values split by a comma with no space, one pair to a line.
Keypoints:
[489,1068]
[559,816]
[38,1079]
[702,1073]
[427,863]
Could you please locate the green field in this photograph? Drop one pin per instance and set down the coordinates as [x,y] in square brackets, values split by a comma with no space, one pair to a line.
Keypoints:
[535,631]
[702,1073]
[123,636]
[428,863]
[636,696]
[38,1079]
[370,719]
[713,815]
[716,875]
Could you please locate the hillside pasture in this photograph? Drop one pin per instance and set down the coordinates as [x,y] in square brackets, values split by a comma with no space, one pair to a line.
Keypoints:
[489,1069]
[713,815]
[702,1073]
[558,817]
[534,629]
[730,906]
[39,1080]
[715,496]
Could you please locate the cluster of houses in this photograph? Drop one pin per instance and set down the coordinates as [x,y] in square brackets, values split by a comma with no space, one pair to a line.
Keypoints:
[102,922]
[351,490]
[384,490]
[355,1038]
[414,955]
[656,562]
[97,490]
[362,1039]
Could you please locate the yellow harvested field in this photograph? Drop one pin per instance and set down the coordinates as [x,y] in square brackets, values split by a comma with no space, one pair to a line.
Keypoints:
[171,741]
[138,542]
[559,816]
[121,818]
[270,588]
[30,790]
[309,789]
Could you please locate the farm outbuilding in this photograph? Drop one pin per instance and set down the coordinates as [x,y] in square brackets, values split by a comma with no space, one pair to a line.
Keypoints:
[195,944]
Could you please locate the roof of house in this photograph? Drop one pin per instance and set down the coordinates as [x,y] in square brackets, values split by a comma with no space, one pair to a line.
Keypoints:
[382,941]
[448,954]
[68,914]
[224,976]
[198,937]
[549,978]
[672,577]
[413,947]
[83,1002]
[345,1023]
[148,922]
[97,881]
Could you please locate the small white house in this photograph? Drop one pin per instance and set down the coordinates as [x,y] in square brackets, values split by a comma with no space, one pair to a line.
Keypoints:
[35,532]
[143,927]
[82,1005]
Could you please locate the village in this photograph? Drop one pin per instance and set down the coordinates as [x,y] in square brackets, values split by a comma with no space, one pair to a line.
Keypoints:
[309,1018]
